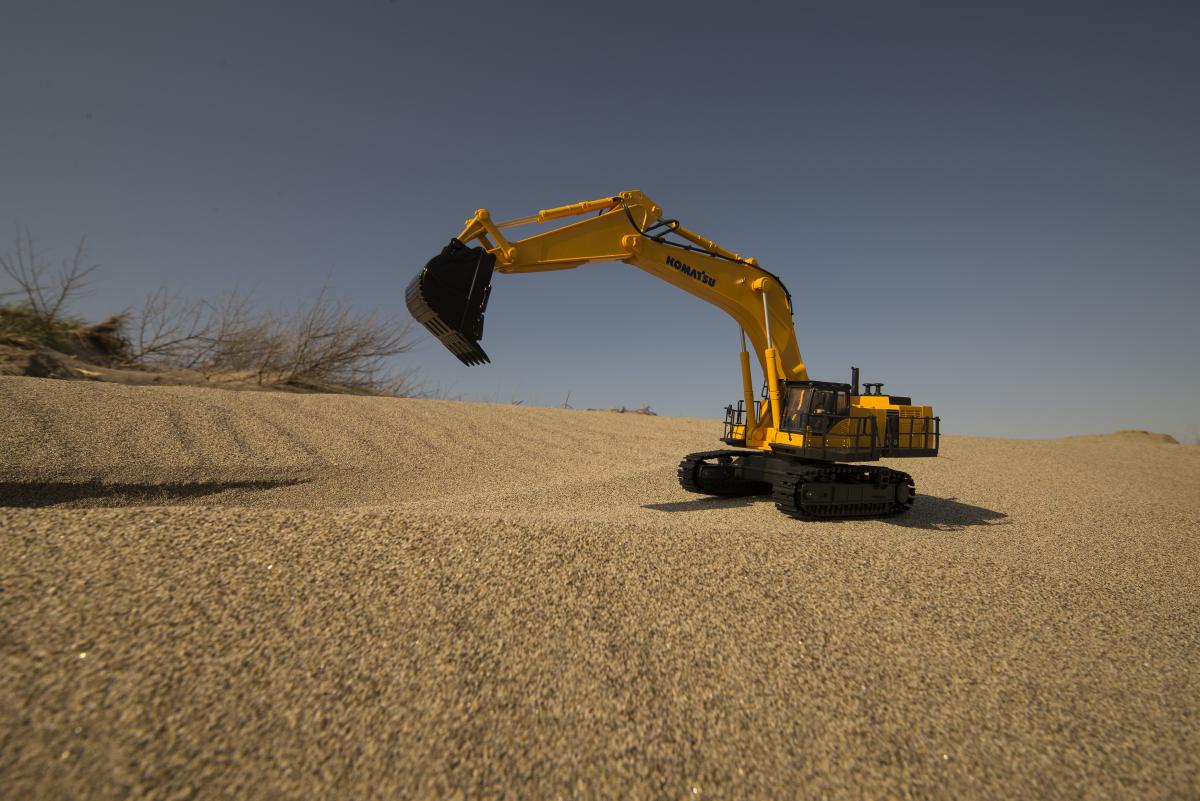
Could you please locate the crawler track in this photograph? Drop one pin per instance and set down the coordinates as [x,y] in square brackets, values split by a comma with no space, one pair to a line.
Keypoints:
[718,473]
[802,489]
[839,491]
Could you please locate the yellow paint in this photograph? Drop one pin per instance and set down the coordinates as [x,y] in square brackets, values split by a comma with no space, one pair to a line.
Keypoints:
[747,389]
[727,280]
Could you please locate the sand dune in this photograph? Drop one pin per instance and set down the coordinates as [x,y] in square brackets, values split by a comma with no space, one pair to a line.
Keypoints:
[212,594]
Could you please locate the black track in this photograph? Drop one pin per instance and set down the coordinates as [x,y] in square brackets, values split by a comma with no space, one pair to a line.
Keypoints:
[803,489]
[886,492]
[715,473]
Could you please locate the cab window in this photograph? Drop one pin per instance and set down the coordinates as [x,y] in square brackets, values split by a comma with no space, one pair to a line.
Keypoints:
[813,408]
[794,407]
[823,402]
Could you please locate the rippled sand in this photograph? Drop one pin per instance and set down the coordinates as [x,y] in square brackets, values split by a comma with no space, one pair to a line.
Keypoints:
[225,594]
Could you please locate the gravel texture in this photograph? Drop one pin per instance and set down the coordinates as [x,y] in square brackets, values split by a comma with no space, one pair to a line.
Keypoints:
[209,594]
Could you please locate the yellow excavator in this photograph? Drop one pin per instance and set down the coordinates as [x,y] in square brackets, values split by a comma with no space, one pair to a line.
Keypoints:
[791,443]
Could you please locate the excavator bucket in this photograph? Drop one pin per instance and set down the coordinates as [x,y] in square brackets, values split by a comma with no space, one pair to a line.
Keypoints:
[449,297]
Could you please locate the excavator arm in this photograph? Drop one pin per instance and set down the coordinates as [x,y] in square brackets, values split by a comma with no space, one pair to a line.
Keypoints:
[450,295]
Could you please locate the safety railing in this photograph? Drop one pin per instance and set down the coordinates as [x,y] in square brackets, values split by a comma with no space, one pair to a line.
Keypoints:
[923,434]
[831,437]
[736,416]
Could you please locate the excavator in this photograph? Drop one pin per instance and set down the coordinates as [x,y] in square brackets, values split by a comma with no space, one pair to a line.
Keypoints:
[802,441]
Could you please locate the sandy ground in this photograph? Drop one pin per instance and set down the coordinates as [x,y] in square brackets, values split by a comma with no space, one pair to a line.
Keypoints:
[210,594]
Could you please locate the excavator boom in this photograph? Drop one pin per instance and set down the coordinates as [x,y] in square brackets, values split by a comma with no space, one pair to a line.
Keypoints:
[449,296]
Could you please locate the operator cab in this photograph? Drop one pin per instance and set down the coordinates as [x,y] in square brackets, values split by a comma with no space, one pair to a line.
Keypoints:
[815,406]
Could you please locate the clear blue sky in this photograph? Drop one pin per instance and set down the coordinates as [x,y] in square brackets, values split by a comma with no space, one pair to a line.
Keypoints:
[993,208]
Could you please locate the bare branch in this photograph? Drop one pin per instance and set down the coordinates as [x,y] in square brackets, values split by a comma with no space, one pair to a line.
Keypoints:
[47,295]
[324,342]
[169,331]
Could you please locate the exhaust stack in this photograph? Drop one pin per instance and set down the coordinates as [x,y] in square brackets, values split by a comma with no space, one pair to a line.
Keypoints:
[449,297]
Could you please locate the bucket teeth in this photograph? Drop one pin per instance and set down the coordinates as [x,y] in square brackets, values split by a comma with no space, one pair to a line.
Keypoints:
[449,297]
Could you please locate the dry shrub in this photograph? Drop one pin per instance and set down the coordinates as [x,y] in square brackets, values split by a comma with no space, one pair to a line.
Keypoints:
[43,292]
[320,342]
[167,332]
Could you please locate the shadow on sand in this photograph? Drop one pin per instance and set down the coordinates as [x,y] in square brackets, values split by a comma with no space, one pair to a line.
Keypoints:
[946,514]
[929,512]
[96,493]
[707,502]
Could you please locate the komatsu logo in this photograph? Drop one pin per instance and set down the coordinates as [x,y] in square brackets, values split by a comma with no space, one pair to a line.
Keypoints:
[692,272]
